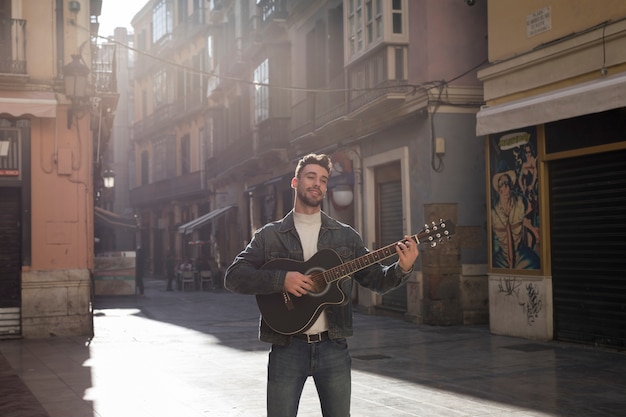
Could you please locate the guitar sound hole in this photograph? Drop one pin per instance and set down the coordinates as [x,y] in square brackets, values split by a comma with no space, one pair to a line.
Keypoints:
[320,286]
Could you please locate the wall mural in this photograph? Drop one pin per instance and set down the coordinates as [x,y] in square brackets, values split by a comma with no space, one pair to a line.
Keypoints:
[515,218]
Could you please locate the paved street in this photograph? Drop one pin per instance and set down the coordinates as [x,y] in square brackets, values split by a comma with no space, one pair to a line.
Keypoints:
[192,354]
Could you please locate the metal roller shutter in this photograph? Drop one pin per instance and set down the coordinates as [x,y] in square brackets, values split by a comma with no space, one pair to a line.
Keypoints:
[588,247]
[10,262]
[390,206]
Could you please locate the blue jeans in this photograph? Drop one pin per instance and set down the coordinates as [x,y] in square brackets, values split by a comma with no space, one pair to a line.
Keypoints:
[328,362]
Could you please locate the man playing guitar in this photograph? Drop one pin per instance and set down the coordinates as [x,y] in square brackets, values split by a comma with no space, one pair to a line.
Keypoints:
[310,303]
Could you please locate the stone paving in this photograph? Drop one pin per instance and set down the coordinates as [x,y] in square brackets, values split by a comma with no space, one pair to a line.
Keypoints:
[192,354]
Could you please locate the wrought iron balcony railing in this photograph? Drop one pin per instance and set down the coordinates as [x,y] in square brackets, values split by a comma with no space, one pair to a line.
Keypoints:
[167,189]
[104,71]
[12,46]
[271,134]
[271,10]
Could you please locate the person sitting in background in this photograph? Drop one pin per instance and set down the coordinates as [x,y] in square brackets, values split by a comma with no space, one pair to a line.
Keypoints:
[186,265]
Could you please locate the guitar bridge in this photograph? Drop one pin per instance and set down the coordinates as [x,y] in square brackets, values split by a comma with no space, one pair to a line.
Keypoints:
[287,301]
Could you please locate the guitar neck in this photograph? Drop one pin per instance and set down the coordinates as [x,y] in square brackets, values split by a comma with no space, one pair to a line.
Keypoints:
[362,262]
[431,234]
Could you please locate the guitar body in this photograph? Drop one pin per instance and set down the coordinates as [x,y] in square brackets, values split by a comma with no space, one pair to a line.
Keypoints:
[288,314]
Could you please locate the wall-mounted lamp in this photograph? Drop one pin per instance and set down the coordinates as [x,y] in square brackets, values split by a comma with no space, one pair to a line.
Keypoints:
[109,178]
[342,195]
[75,75]
[74,6]
[341,189]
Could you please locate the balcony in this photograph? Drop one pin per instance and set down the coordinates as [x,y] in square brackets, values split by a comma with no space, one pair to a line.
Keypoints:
[334,114]
[193,25]
[251,152]
[272,16]
[272,10]
[12,46]
[103,65]
[165,117]
[167,190]
[155,123]
[383,97]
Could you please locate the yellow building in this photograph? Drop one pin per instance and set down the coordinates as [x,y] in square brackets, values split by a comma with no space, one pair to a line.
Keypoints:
[46,167]
[555,92]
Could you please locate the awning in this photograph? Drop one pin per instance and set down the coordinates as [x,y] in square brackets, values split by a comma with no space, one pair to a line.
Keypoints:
[587,98]
[202,220]
[114,219]
[35,103]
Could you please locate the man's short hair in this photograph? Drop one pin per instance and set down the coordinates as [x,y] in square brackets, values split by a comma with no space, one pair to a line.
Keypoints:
[320,159]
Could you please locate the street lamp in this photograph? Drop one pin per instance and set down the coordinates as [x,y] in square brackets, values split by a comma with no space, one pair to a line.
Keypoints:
[75,76]
[109,178]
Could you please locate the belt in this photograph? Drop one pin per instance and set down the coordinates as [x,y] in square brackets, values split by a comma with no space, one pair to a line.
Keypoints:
[312,338]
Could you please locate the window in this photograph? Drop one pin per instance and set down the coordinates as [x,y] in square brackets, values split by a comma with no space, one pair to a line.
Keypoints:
[379,18]
[185,155]
[160,89]
[145,168]
[396,15]
[372,22]
[144,104]
[183,11]
[374,19]
[161,21]
[261,92]
[355,26]
[399,64]
[196,78]
[210,54]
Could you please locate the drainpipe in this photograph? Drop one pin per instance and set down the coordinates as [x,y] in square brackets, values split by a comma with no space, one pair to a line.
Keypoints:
[60,24]
[357,188]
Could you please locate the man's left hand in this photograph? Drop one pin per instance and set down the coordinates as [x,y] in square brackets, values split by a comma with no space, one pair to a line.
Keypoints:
[407,251]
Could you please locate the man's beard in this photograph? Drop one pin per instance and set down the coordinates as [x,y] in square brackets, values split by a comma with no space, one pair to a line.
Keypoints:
[309,201]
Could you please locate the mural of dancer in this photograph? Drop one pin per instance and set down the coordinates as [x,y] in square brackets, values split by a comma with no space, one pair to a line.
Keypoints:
[514,201]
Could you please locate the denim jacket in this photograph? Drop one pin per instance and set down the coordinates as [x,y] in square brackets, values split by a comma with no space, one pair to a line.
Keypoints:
[280,240]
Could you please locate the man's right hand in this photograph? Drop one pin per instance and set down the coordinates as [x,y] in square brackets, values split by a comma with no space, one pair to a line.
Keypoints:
[298,284]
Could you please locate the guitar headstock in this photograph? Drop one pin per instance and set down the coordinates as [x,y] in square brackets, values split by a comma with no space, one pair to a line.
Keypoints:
[436,232]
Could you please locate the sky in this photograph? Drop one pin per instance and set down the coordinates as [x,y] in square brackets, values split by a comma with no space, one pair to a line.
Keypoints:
[118,13]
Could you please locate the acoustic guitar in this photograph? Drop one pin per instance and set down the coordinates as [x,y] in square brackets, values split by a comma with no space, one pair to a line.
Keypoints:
[289,315]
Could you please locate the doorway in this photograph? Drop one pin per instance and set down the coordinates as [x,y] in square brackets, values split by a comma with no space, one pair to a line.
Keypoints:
[11,261]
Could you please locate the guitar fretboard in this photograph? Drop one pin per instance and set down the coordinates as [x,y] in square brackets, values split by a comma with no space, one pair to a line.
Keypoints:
[362,262]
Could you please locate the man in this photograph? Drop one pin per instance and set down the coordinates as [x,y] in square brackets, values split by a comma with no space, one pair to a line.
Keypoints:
[170,270]
[140,264]
[321,350]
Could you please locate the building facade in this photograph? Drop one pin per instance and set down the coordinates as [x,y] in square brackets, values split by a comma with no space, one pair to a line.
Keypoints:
[47,169]
[554,118]
[387,88]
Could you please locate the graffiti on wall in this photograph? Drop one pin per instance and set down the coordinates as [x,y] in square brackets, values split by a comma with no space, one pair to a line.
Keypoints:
[530,301]
[514,200]
[533,306]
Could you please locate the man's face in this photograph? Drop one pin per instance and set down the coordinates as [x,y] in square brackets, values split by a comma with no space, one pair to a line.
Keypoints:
[311,185]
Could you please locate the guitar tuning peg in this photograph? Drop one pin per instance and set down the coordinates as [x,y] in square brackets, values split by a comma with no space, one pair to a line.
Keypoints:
[433,244]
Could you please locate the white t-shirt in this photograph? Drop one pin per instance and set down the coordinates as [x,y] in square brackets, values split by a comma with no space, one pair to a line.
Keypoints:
[308,227]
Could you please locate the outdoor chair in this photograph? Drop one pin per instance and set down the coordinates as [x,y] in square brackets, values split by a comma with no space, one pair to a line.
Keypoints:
[206,278]
[187,277]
